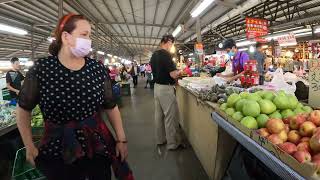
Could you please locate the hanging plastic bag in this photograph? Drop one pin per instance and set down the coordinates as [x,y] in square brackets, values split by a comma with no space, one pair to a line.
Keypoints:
[280,83]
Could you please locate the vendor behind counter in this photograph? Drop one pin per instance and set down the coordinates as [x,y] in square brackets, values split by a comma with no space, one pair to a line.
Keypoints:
[237,57]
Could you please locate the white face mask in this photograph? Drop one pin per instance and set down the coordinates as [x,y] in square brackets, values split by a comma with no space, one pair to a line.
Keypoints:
[82,47]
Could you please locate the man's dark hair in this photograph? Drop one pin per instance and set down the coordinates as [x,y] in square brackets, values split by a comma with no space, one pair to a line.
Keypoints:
[229,43]
[259,45]
[167,38]
[14,59]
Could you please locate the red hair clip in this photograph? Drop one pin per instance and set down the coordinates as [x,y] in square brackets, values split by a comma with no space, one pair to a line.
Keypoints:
[64,21]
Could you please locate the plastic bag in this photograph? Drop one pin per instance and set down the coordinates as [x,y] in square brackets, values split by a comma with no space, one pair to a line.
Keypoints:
[280,83]
[290,77]
[219,80]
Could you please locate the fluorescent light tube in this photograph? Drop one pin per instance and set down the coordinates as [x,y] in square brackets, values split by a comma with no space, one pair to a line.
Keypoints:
[191,54]
[177,30]
[12,29]
[245,43]
[243,49]
[100,52]
[201,7]
[109,55]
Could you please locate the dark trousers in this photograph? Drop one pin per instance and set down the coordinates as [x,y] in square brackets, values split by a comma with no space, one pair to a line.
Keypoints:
[143,74]
[135,80]
[97,168]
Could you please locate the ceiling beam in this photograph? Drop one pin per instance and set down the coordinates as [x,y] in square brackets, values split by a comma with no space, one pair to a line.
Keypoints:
[124,18]
[141,37]
[6,1]
[135,24]
[227,4]
[140,44]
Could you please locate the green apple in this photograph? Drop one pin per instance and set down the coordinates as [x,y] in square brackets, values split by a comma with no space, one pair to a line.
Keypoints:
[262,119]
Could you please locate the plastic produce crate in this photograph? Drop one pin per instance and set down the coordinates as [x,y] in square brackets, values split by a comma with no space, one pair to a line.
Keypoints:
[22,170]
[6,94]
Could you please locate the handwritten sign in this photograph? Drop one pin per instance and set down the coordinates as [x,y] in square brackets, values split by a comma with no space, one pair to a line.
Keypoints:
[314,81]
[287,40]
[256,27]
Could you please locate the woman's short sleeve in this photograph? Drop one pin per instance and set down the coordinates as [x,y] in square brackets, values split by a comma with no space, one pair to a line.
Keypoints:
[109,101]
[29,93]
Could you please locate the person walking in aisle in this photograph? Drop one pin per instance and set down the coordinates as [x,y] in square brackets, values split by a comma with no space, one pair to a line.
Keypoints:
[143,70]
[14,78]
[260,57]
[134,72]
[165,75]
[73,91]
[149,76]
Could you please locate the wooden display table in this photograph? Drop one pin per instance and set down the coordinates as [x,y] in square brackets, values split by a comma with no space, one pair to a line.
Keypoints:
[213,145]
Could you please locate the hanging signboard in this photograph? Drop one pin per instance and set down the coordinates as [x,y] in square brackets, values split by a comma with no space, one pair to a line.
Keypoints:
[287,40]
[314,81]
[256,27]
[198,48]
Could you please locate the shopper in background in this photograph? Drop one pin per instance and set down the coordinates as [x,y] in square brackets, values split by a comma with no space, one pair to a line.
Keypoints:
[14,78]
[238,60]
[260,57]
[297,63]
[134,72]
[149,76]
[187,70]
[165,75]
[143,70]
[72,91]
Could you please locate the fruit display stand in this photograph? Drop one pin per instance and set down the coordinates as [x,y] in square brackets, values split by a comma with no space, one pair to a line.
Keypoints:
[269,156]
[213,145]
[7,129]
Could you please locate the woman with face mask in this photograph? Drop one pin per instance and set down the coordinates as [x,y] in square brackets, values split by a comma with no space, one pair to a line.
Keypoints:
[72,91]
[238,60]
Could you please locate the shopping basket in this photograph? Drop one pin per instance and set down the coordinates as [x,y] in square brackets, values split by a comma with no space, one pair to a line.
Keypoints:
[22,170]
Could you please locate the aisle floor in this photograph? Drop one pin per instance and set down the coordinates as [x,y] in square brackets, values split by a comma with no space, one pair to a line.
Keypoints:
[144,158]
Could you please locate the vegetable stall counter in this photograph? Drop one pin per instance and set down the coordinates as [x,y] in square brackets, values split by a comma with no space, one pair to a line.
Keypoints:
[213,145]
[7,129]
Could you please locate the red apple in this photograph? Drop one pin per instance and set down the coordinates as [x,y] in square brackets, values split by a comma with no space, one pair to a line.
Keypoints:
[305,139]
[302,156]
[315,117]
[307,128]
[316,163]
[317,130]
[275,139]
[315,143]
[294,136]
[304,146]
[275,126]
[316,157]
[286,120]
[296,121]
[283,135]
[288,147]
[263,132]
[287,128]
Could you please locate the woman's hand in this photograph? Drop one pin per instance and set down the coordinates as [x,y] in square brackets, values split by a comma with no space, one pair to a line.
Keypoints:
[122,150]
[31,154]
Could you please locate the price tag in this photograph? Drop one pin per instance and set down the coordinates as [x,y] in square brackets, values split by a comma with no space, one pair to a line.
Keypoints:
[314,81]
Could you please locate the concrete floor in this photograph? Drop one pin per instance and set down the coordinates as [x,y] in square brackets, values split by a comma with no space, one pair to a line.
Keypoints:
[144,158]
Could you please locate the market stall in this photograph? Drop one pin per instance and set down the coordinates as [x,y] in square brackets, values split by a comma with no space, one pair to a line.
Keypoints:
[267,120]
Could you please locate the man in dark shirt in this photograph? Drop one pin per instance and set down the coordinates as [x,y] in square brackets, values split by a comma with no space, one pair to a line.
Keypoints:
[165,75]
[14,78]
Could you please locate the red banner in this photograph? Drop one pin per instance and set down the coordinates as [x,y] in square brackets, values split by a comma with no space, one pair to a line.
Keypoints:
[256,27]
